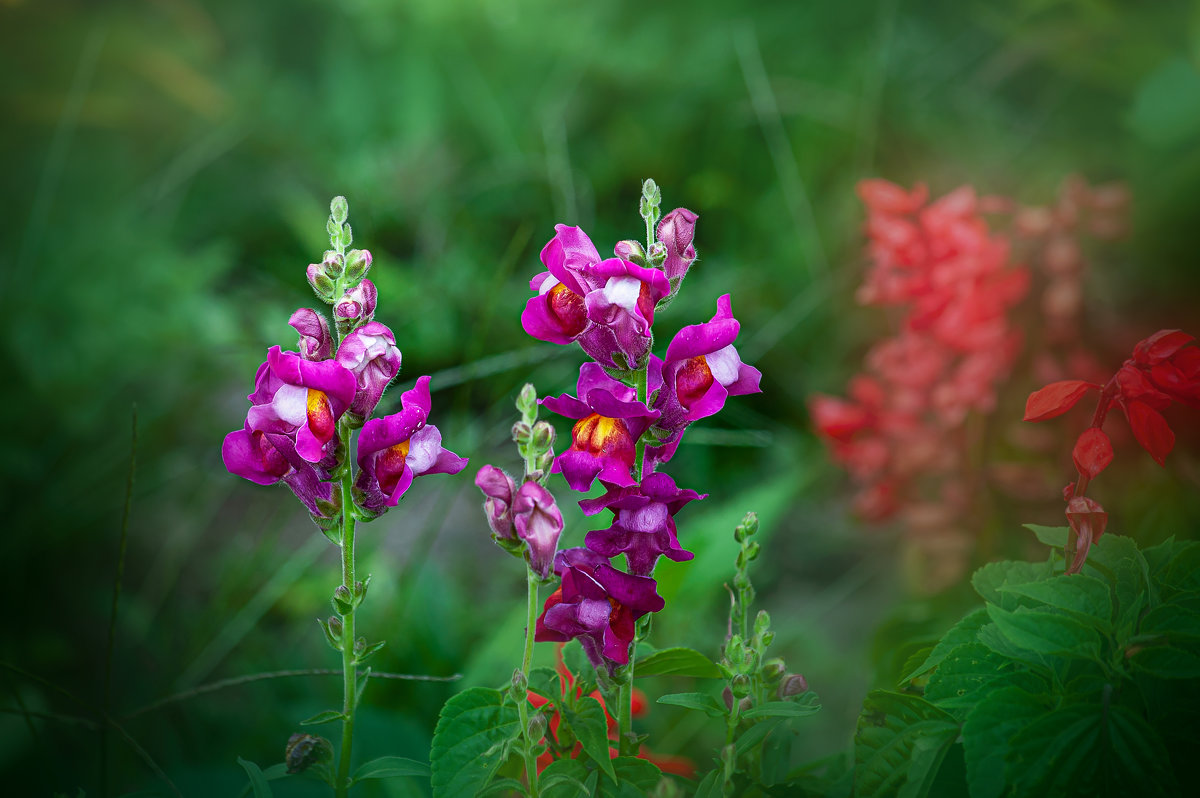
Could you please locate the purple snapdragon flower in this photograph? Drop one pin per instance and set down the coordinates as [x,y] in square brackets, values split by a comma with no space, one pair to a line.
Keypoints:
[315,341]
[676,231]
[604,439]
[267,458]
[300,398]
[539,523]
[395,449]
[371,355]
[597,604]
[605,305]
[644,523]
[357,303]
[498,489]
[701,370]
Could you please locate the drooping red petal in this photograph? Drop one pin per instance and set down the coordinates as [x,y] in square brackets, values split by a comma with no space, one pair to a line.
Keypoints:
[1151,430]
[1056,399]
[1160,346]
[1093,452]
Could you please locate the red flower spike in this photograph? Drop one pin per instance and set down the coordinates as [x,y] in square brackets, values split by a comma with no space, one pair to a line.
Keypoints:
[1056,399]
[1151,430]
[1160,346]
[1093,452]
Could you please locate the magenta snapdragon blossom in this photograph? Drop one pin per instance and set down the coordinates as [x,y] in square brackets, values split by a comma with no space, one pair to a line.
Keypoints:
[604,439]
[315,340]
[371,355]
[300,398]
[605,305]
[528,513]
[643,528]
[395,449]
[676,231]
[267,458]
[597,604]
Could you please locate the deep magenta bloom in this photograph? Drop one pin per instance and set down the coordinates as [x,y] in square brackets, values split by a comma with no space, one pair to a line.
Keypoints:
[605,305]
[676,231]
[498,488]
[371,355]
[539,523]
[358,303]
[267,458]
[300,398]
[394,449]
[597,604]
[701,370]
[315,341]
[603,441]
[644,526]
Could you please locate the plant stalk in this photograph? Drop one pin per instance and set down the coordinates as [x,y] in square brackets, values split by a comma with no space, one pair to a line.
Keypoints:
[526,663]
[349,669]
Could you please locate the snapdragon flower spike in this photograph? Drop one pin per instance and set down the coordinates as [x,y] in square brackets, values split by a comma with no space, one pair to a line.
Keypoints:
[395,449]
[267,458]
[315,340]
[604,439]
[597,604]
[676,231]
[300,398]
[701,370]
[539,523]
[605,305]
[644,524]
[498,488]
[371,355]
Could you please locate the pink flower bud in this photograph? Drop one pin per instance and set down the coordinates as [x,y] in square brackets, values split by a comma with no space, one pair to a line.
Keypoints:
[676,231]
[499,488]
[315,341]
[357,303]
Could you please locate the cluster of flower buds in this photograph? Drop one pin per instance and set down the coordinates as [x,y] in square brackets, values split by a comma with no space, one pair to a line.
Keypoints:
[1163,370]
[306,402]
[630,409]
[939,262]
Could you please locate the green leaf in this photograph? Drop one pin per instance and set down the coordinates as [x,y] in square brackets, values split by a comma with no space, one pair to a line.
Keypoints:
[892,729]
[991,636]
[986,733]
[1045,633]
[1053,536]
[1083,596]
[962,674]
[701,701]
[1172,622]
[755,735]
[544,682]
[1167,662]
[1139,764]
[258,781]
[802,708]
[965,631]
[328,716]
[580,666]
[988,580]
[470,732]
[1183,574]
[710,785]
[636,778]
[777,755]
[273,773]
[500,785]
[386,767]
[591,729]
[1056,753]
[565,778]
[677,662]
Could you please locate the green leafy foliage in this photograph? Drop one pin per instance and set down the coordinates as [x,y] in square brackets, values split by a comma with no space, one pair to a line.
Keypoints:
[680,661]
[701,701]
[388,767]
[1059,685]
[258,780]
[469,741]
[588,722]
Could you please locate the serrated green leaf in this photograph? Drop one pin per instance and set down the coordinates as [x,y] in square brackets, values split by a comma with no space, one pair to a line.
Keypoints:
[701,701]
[1167,662]
[803,707]
[544,682]
[565,778]
[962,674]
[991,636]
[965,631]
[1183,573]
[578,664]
[928,751]
[988,580]
[258,781]
[464,754]
[386,767]
[1055,753]
[636,778]
[986,733]
[889,728]
[678,661]
[1139,763]
[328,716]
[496,786]
[1083,596]
[1045,633]
[1053,536]
[1172,622]
[710,785]
[591,729]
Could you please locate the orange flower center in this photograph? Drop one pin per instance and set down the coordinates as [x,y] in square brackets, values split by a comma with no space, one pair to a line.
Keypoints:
[389,466]
[693,380]
[320,416]
[568,308]
[600,435]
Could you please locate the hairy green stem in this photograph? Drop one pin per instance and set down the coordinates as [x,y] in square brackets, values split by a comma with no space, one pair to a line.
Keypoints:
[526,662]
[349,669]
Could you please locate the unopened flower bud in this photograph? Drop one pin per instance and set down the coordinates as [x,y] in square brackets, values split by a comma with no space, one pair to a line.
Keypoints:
[358,302]
[544,461]
[1087,519]
[527,404]
[339,209]
[358,263]
[360,645]
[747,528]
[320,282]
[773,670]
[335,626]
[539,523]
[536,729]
[752,551]
[333,263]
[305,750]
[676,232]
[522,433]
[519,684]
[740,685]
[631,251]
[651,192]
[793,684]
[543,436]
[762,622]
[657,254]
[735,651]
[498,488]
[360,588]
[315,340]
[727,697]
[343,601]
[745,704]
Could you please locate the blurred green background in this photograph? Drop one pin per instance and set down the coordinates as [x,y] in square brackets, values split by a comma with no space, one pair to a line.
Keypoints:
[168,166]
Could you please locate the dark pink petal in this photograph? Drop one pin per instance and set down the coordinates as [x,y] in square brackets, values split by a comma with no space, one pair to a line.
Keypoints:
[498,488]
[1056,399]
[676,231]
[567,254]
[539,523]
[1150,429]
[1093,452]
[887,197]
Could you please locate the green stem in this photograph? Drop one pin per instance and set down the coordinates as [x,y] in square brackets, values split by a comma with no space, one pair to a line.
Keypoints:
[349,669]
[625,744]
[526,662]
